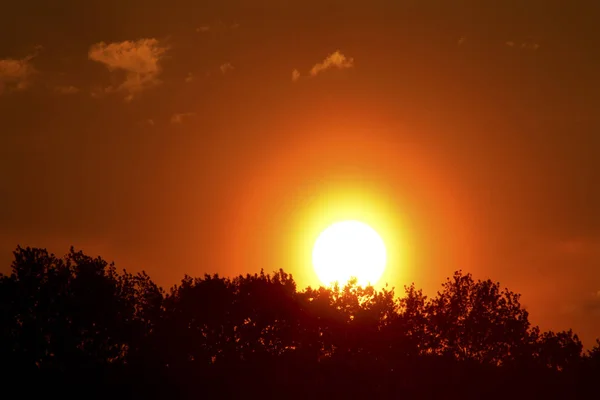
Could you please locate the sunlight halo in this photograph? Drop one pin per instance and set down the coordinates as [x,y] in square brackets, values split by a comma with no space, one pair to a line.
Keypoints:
[349,249]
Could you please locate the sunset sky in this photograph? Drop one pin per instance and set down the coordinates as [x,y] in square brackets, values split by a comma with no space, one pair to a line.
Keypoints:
[222,136]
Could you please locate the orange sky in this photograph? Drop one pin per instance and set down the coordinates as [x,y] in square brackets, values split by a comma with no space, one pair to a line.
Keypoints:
[180,140]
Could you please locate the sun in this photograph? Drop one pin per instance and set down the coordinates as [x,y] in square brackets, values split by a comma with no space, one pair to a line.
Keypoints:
[349,249]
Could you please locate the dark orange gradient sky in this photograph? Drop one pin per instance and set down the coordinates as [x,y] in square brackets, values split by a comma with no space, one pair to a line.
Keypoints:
[176,138]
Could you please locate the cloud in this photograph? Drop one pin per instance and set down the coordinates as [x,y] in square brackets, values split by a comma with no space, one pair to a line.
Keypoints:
[15,74]
[295,75]
[146,122]
[66,89]
[530,45]
[217,26]
[225,68]
[579,246]
[591,304]
[189,78]
[461,40]
[524,45]
[149,122]
[139,60]
[178,118]
[334,60]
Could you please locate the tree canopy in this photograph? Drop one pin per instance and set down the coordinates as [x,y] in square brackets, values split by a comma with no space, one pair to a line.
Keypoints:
[75,323]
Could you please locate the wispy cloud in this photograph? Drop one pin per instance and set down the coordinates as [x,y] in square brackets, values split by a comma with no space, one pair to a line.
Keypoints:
[15,74]
[178,118]
[146,122]
[334,60]
[593,306]
[461,41]
[66,89]
[189,78]
[524,45]
[530,45]
[218,26]
[588,304]
[579,246]
[140,60]
[226,67]
[295,75]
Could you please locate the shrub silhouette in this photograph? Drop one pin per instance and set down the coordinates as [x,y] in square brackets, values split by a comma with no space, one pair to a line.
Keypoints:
[76,326]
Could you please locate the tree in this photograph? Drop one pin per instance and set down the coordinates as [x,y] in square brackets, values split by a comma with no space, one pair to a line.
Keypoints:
[558,350]
[76,319]
[410,329]
[68,313]
[478,320]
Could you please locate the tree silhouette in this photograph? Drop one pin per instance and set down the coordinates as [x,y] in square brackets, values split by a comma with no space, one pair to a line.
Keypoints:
[476,320]
[77,324]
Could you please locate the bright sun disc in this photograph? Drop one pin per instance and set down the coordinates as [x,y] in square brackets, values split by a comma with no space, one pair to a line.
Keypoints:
[349,249]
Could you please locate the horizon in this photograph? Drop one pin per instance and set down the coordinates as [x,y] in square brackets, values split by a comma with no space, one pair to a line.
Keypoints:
[398,293]
[225,137]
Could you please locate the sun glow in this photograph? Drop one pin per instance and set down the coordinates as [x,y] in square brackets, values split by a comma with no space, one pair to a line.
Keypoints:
[364,202]
[349,249]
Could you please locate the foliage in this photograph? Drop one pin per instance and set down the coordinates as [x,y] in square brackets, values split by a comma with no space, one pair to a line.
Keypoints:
[77,318]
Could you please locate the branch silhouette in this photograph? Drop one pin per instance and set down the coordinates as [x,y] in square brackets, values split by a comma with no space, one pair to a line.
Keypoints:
[74,325]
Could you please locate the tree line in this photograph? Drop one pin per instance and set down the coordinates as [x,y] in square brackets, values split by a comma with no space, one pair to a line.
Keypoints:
[74,325]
